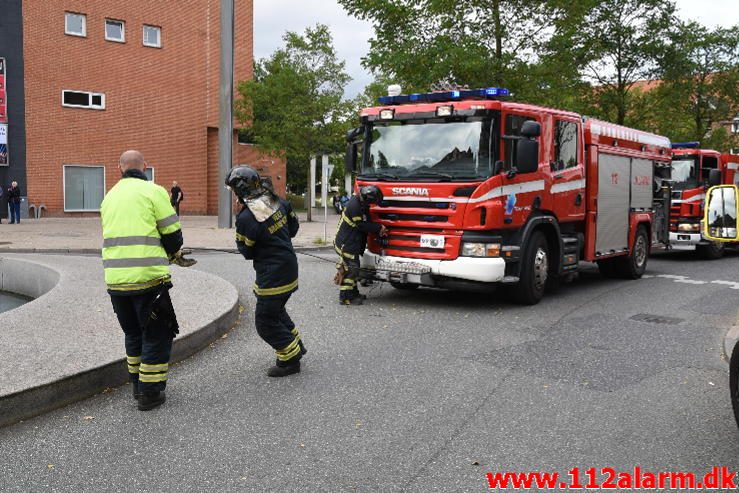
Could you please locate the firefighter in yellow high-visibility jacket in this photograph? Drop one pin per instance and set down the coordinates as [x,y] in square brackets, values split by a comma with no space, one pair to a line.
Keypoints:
[141,237]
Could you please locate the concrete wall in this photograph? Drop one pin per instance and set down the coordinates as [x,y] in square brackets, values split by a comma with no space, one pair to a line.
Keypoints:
[26,278]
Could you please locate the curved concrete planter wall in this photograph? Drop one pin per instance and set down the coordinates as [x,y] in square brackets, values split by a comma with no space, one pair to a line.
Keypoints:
[26,278]
[66,344]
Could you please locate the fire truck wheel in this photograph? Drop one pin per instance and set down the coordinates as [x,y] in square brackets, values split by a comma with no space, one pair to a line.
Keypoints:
[712,251]
[404,287]
[734,381]
[633,266]
[534,271]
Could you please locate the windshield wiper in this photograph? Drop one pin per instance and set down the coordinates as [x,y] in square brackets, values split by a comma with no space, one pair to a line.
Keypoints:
[379,175]
[445,176]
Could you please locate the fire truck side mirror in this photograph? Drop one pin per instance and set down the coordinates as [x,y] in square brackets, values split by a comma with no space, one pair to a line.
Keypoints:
[721,212]
[530,129]
[527,156]
[714,177]
[353,134]
[350,164]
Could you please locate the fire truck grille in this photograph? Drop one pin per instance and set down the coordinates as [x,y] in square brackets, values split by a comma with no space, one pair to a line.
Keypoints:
[416,204]
[407,245]
[427,218]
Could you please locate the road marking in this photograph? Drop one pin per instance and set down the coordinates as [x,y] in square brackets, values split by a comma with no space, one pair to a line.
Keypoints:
[687,280]
[731,284]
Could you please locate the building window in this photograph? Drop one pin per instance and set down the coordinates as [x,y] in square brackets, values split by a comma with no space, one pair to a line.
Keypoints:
[75,24]
[115,30]
[84,188]
[565,145]
[83,99]
[152,36]
[735,125]
[149,172]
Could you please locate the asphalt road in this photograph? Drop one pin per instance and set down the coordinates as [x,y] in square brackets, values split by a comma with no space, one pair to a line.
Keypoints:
[417,391]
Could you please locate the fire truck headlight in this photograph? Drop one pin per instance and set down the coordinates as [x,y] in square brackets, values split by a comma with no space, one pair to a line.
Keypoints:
[688,228]
[480,249]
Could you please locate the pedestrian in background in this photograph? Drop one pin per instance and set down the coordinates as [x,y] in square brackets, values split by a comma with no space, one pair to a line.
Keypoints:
[176,196]
[14,201]
[264,229]
[141,237]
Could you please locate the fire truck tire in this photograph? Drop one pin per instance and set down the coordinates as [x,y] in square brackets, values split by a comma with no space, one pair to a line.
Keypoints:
[712,251]
[633,266]
[404,287]
[529,290]
[734,381]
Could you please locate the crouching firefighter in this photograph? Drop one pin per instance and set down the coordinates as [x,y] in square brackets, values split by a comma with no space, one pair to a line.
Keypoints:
[264,229]
[351,241]
[141,237]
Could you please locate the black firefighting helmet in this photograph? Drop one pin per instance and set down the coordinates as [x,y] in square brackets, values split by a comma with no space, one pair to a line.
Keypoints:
[245,182]
[370,194]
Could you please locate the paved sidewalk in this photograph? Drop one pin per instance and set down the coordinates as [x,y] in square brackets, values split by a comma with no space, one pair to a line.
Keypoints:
[85,233]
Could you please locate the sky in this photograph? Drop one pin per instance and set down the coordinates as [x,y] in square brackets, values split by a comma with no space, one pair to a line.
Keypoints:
[272,18]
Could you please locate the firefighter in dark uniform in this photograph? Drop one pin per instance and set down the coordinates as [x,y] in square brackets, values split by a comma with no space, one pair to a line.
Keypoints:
[351,241]
[264,229]
[141,237]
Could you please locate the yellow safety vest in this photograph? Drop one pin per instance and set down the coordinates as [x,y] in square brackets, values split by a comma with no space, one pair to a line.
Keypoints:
[134,214]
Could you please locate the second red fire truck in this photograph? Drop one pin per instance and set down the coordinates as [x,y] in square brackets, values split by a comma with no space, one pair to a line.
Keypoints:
[693,171]
[479,190]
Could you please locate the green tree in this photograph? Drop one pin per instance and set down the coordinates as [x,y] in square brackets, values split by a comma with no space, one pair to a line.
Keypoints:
[617,43]
[477,42]
[700,86]
[294,105]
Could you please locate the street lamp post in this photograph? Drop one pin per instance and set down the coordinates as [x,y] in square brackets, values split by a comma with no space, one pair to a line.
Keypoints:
[225,122]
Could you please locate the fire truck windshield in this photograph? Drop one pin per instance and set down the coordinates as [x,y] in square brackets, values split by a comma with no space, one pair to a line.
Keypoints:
[684,173]
[429,150]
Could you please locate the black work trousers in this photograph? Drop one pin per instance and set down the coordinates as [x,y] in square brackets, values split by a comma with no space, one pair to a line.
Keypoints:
[277,329]
[348,289]
[149,324]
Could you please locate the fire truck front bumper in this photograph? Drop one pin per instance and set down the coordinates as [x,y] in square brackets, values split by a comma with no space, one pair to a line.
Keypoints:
[427,272]
[686,241]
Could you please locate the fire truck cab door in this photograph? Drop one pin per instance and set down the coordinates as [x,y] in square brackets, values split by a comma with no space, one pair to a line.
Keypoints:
[566,165]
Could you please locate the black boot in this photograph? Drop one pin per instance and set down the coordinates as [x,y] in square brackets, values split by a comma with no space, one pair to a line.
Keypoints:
[283,369]
[135,388]
[303,350]
[150,400]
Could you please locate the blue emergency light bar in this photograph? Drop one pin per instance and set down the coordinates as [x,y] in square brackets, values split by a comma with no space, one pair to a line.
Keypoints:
[435,97]
[686,145]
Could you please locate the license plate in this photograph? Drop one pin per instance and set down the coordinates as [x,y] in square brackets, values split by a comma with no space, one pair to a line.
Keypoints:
[432,241]
[683,237]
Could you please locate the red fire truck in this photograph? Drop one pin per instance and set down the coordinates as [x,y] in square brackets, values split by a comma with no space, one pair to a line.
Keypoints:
[479,190]
[694,170]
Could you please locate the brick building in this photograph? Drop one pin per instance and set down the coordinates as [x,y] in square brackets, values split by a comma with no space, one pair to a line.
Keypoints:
[88,79]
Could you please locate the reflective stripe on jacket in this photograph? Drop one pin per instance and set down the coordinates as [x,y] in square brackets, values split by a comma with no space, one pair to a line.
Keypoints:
[135,214]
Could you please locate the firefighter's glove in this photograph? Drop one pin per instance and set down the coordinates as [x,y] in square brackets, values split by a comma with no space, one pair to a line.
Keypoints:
[180,259]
